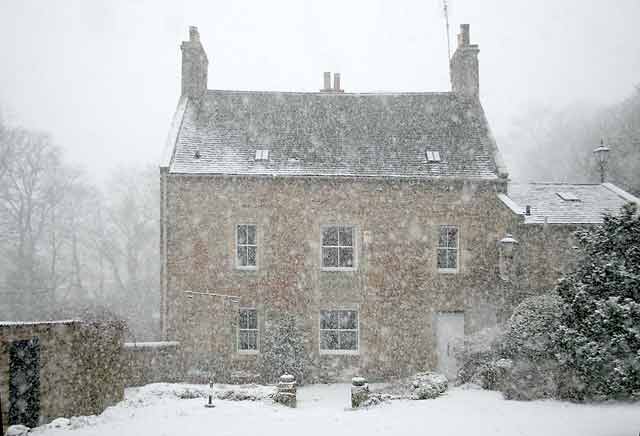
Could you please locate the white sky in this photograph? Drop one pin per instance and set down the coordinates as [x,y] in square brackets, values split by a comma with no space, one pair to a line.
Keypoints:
[103,77]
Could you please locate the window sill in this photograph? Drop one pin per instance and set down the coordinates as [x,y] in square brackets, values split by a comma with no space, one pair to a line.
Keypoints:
[337,269]
[246,268]
[248,352]
[339,352]
[448,270]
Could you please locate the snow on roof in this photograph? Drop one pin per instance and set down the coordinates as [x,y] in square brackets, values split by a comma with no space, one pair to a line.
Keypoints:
[594,201]
[345,134]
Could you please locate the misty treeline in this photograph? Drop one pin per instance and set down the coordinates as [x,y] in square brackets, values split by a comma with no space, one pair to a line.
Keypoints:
[545,144]
[70,248]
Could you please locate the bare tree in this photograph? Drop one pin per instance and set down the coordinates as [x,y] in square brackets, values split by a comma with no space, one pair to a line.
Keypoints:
[67,246]
[129,245]
[27,197]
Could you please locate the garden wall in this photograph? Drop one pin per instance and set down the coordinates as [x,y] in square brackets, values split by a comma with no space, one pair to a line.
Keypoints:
[151,362]
[78,366]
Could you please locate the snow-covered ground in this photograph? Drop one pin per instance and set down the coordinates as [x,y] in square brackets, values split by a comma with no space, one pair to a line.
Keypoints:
[323,410]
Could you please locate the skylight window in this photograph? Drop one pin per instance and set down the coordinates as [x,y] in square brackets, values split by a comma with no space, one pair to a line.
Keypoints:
[568,196]
[433,156]
[262,155]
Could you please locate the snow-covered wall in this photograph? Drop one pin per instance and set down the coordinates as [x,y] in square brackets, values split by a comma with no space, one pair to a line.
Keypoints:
[151,362]
[79,366]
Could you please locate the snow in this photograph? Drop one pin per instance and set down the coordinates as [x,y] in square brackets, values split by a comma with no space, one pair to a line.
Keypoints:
[324,410]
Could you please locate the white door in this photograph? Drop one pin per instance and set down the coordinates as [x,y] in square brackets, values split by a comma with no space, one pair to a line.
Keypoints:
[450,332]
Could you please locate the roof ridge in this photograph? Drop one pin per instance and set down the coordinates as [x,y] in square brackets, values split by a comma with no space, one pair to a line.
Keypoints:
[174,132]
[621,192]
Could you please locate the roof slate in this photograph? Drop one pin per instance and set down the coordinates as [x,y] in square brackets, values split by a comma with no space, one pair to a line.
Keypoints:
[593,202]
[331,134]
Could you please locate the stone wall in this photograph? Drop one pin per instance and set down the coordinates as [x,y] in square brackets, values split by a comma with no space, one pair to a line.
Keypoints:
[396,286]
[151,362]
[80,370]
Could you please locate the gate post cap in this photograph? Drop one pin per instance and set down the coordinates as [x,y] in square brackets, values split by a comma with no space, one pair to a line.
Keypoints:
[358,381]
[287,378]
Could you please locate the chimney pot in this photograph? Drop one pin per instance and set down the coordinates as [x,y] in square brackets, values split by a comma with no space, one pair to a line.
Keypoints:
[194,35]
[464,38]
[336,82]
[327,81]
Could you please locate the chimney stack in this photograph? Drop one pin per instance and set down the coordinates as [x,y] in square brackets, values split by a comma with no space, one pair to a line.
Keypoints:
[464,67]
[195,65]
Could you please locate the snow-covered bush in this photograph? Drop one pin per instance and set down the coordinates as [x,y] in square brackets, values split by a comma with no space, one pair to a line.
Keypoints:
[477,357]
[376,399]
[528,342]
[531,380]
[282,349]
[420,386]
[528,333]
[598,337]
[428,385]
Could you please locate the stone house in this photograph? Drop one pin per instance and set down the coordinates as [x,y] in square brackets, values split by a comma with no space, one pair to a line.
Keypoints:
[379,220]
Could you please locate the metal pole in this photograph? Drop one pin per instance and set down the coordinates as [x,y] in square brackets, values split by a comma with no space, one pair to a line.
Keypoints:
[210,403]
[446,18]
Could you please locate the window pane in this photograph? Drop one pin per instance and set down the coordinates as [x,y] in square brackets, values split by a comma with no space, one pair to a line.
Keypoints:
[346,257]
[330,236]
[248,319]
[251,235]
[348,340]
[243,340]
[329,319]
[442,237]
[452,259]
[452,237]
[346,236]
[251,256]
[442,258]
[329,340]
[252,340]
[330,257]
[242,256]
[348,319]
[242,234]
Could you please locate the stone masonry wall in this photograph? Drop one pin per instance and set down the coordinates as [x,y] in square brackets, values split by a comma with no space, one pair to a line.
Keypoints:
[79,366]
[151,362]
[396,286]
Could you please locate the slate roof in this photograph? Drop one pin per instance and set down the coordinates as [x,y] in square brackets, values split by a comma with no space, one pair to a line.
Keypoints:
[333,134]
[593,202]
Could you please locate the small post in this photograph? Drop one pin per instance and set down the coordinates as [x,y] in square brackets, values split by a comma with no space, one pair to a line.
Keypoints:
[287,391]
[359,392]
[210,403]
